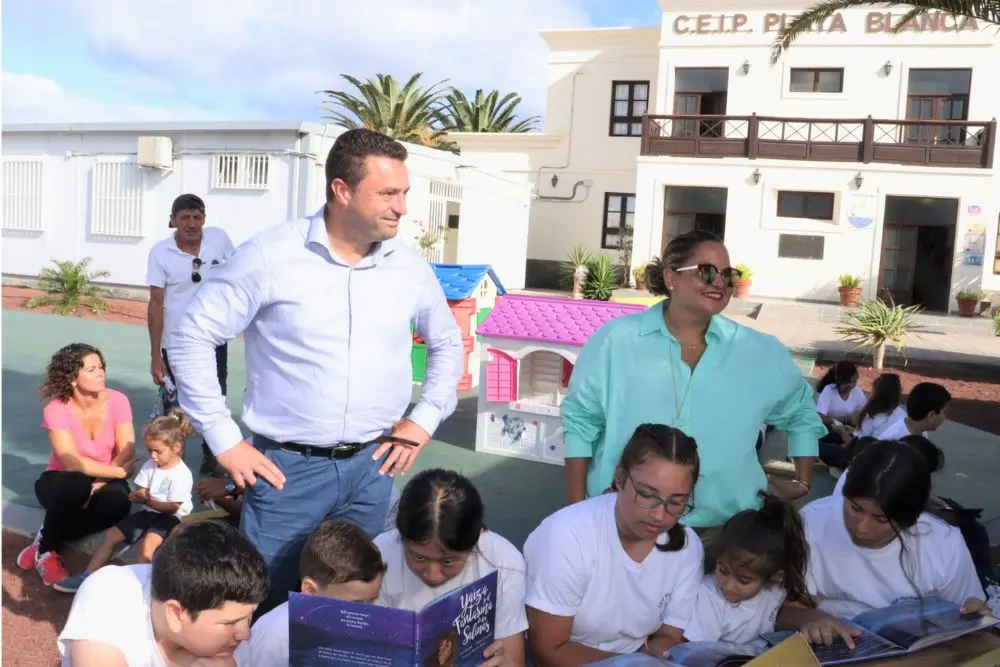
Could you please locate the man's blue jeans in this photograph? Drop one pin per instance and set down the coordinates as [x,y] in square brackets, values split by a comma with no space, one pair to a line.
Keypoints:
[316,488]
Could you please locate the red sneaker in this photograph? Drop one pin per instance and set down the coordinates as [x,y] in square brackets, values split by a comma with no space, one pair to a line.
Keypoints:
[28,558]
[51,569]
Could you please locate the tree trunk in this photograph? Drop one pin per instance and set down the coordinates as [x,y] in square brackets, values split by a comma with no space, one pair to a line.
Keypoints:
[579,278]
[879,356]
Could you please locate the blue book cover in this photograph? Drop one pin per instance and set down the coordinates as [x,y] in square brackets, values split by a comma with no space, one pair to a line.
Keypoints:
[452,631]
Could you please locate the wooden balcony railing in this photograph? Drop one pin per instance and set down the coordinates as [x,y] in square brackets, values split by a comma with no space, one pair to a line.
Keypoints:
[934,143]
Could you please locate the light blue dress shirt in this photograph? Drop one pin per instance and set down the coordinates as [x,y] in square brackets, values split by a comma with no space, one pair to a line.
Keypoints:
[327,345]
[630,372]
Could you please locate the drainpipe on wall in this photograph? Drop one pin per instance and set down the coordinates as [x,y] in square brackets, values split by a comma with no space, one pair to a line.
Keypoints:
[569,150]
[296,211]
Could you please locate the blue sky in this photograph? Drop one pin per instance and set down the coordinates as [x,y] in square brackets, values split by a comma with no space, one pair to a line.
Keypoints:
[87,60]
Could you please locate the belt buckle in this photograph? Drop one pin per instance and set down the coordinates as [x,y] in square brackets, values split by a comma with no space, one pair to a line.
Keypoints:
[341,452]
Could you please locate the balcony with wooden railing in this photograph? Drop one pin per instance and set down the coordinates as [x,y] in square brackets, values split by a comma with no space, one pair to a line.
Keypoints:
[928,143]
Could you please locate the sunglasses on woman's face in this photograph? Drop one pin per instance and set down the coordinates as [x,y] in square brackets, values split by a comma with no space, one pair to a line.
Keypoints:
[196,270]
[709,272]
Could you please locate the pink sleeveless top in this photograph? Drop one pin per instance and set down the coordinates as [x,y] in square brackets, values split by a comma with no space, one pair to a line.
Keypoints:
[58,416]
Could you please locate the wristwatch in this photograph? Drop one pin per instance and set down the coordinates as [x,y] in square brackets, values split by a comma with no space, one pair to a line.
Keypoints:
[231,489]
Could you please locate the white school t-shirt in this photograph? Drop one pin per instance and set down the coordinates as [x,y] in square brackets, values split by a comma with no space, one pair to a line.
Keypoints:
[847,579]
[173,485]
[269,638]
[876,426]
[577,567]
[171,268]
[112,607]
[715,619]
[898,430]
[830,403]
[402,589]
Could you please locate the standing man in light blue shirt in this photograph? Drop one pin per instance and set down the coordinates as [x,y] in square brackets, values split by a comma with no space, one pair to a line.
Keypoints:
[325,305]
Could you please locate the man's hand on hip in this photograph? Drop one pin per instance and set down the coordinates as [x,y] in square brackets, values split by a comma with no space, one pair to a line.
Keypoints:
[403,445]
[245,463]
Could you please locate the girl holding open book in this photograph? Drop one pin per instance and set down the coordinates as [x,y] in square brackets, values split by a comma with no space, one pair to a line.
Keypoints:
[876,546]
[440,544]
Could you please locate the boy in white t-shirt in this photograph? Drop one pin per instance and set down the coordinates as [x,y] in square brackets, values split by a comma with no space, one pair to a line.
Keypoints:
[164,488]
[191,606]
[339,561]
[926,410]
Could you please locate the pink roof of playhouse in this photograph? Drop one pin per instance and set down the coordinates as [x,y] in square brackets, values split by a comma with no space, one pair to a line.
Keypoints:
[551,319]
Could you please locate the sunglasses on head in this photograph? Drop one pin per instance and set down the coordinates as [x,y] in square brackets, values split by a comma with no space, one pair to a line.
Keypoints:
[709,272]
[196,269]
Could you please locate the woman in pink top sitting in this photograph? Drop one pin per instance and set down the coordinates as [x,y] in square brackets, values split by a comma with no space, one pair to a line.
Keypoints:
[84,489]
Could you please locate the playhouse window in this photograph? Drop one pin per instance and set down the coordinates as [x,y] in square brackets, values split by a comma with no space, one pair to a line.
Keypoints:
[543,378]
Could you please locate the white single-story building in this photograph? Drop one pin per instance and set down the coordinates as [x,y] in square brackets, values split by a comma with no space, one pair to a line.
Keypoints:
[104,190]
[859,151]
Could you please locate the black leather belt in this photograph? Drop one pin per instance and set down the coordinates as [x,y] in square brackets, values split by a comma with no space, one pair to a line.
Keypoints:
[342,450]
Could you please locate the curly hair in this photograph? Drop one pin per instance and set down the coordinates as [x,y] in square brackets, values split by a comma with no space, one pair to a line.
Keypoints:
[62,370]
[171,428]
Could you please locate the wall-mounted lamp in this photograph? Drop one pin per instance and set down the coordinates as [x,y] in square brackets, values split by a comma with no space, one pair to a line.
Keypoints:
[859,180]
[887,67]
[755,176]
[554,180]
[746,67]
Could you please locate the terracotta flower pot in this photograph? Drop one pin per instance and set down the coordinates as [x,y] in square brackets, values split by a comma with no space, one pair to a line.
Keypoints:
[849,296]
[640,283]
[741,289]
[967,307]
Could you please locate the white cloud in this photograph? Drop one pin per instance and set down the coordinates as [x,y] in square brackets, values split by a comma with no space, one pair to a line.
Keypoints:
[276,54]
[38,99]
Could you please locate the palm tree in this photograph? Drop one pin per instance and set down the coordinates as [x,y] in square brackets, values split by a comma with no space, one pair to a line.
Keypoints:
[981,10]
[483,113]
[407,113]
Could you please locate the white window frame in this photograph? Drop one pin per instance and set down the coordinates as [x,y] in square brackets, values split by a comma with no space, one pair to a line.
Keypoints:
[241,171]
[24,212]
[117,196]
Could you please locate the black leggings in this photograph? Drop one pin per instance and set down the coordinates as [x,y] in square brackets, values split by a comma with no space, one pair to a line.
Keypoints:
[63,494]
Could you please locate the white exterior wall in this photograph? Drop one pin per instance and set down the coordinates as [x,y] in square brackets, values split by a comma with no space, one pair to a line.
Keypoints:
[493,206]
[67,171]
[753,228]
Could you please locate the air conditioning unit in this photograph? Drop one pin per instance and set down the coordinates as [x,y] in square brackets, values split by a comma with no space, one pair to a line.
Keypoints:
[156,153]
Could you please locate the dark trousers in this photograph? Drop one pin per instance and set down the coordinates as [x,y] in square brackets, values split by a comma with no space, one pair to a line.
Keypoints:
[63,494]
[221,372]
[834,452]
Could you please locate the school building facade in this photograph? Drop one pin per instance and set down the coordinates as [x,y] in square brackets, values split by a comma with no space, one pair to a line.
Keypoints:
[859,151]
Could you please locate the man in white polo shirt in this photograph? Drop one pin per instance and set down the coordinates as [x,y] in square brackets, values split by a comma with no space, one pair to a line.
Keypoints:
[175,270]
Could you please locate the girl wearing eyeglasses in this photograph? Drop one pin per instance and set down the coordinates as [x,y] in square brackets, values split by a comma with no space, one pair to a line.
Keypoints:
[618,573]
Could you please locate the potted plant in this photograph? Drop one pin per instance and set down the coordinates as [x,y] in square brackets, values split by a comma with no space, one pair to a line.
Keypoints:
[639,273]
[741,288]
[968,302]
[849,287]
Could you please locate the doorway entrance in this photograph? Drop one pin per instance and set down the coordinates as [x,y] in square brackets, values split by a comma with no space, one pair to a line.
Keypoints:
[700,91]
[918,241]
[687,208]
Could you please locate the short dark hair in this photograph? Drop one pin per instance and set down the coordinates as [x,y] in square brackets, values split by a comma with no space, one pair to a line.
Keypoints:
[925,398]
[346,160]
[340,551]
[206,564]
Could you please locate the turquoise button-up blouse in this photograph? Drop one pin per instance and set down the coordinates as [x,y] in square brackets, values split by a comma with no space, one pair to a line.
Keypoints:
[630,372]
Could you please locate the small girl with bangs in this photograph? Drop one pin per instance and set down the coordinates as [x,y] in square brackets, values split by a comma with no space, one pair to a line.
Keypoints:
[164,485]
[760,559]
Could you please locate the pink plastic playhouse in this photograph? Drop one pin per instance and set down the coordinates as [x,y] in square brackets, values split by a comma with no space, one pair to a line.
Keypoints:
[529,346]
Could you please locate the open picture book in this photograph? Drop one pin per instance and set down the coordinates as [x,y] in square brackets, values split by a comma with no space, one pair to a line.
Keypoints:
[793,652]
[452,631]
[906,627]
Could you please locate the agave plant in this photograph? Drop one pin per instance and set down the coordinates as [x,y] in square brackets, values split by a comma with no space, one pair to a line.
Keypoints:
[602,279]
[876,324]
[70,286]
[573,272]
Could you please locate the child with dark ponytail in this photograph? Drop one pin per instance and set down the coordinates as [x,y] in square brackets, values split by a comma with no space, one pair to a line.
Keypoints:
[757,562]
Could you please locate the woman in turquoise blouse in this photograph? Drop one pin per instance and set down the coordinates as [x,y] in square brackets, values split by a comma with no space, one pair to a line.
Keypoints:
[683,364]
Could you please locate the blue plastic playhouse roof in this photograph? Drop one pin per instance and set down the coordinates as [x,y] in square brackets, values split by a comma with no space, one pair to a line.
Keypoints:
[460,281]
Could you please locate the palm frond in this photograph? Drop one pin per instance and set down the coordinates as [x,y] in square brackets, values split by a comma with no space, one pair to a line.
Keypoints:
[981,10]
